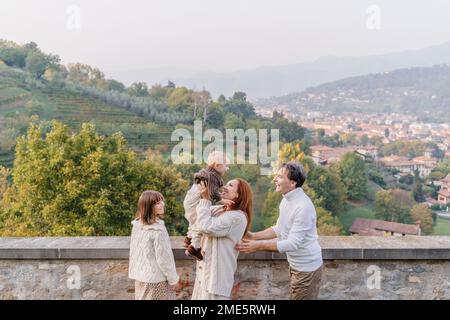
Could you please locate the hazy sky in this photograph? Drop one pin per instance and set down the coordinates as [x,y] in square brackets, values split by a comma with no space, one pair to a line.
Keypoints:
[220,35]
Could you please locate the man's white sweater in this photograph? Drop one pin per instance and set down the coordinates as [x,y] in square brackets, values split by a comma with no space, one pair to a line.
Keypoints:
[296,231]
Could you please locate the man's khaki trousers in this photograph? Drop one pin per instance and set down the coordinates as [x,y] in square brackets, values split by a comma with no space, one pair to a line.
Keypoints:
[305,285]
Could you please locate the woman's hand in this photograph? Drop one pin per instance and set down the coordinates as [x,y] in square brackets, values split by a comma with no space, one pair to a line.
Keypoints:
[227,203]
[204,190]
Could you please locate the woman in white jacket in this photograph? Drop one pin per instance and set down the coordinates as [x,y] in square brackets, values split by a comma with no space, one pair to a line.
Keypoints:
[222,228]
[152,264]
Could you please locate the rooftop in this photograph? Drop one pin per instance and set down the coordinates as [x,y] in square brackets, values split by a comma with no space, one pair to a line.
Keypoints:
[361,225]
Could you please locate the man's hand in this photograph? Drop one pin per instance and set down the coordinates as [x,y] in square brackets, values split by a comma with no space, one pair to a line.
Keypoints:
[247,246]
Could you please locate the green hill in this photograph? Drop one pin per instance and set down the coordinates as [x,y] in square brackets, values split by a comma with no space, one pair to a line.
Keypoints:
[20,99]
[417,91]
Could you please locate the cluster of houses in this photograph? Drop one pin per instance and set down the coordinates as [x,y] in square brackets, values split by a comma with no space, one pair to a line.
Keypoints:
[389,127]
[374,227]
[444,192]
[324,155]
[423,164]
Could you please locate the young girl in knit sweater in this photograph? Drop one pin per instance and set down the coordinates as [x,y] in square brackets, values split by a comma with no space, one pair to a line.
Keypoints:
[152,264]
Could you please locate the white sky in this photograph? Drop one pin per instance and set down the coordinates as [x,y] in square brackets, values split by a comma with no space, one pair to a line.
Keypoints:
[221,35]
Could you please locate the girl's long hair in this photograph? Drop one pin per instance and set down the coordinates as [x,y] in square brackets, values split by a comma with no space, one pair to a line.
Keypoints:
[146,203]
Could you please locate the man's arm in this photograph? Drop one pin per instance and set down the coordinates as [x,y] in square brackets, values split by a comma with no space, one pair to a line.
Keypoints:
[267,234]
[302,223]
[250,246]
[265,240]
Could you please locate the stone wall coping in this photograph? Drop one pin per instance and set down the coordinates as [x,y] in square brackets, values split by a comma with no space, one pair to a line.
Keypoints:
[333,248]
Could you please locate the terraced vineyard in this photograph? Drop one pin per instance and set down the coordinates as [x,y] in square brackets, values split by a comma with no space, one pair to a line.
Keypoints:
[18,98]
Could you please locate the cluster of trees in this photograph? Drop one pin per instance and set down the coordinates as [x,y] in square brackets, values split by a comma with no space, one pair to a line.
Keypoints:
[66,184]
[398,205]
[441,170]
[142,106]
[28,57]
[353,174]
[344,139]
[10,129]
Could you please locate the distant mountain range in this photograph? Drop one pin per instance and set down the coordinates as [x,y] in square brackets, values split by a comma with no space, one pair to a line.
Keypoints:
[420,91]
[272,81]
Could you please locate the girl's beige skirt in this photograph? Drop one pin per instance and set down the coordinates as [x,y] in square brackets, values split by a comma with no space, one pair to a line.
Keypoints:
[153,291]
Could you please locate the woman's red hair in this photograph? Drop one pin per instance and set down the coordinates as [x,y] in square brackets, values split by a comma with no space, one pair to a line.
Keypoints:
[244,201]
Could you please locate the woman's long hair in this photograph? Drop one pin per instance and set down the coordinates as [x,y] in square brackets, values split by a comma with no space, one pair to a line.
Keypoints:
[146,203]
[244,201]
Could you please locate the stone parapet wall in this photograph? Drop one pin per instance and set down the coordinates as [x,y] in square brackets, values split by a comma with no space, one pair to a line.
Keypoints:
[408,267]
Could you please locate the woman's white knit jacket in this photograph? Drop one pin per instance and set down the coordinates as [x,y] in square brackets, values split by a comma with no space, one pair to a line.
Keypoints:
[151,257]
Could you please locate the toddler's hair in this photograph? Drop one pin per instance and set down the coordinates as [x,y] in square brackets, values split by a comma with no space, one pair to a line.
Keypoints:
[217,157]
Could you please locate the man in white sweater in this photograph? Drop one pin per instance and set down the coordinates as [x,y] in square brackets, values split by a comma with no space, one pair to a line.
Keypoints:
[295,234]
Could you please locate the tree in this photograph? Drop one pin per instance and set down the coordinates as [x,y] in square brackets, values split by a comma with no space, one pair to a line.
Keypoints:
[394,205]
[12,54]
[364,140]
[68,184]
[239,106]
[327,189]
[232,121]
[37,62]
[4,174]
[270,209]
[159,92]
[290,152]
[180,99]
[87,75]
[289,130]
[215,116]
[115,85]
[138,89]
[170,85]
[421,212]
[376,177]
[418,192]
[441,170]
[353,175]
[327,225]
